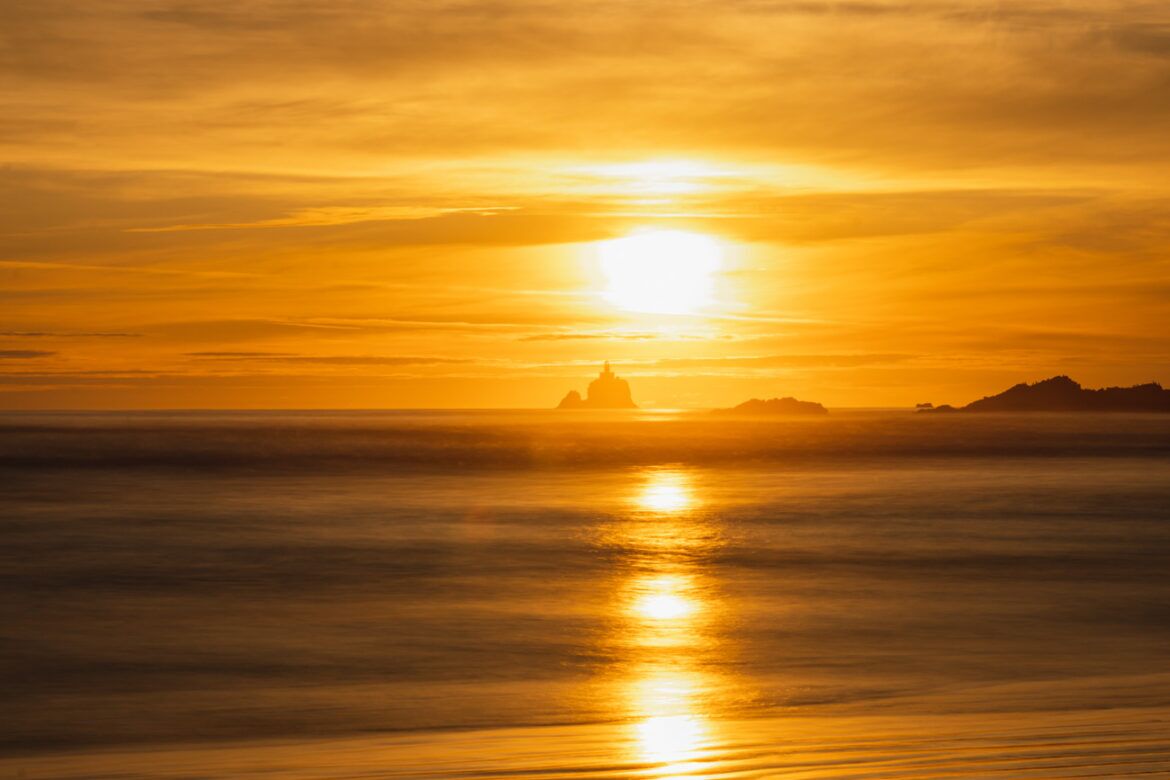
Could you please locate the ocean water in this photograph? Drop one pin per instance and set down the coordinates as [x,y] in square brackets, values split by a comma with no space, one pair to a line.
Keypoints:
[543,595]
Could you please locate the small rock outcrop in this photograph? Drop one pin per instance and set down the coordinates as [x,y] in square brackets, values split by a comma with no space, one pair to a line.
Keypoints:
[607,391]
[775,406]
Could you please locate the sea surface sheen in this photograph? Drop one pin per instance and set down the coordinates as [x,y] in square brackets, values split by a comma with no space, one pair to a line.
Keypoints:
[543,595]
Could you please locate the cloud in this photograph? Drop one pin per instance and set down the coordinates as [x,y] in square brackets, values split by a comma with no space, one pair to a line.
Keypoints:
[122,269]
[239,355]
[586,335]
[331,360]
[331,215]
[835,216]
[961,84]
[24,354]
[234,330]
[1152,39]
[467,321]
[783,361]
[46,334]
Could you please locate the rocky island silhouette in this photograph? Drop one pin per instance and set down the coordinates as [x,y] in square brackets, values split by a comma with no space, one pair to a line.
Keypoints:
[775,406]
[1062,394]
[607,391]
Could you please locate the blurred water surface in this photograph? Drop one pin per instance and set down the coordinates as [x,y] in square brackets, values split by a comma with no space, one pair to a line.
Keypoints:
[532,595]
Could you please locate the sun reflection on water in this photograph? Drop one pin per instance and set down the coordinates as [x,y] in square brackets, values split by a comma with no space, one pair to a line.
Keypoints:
[666,491]
[662,601]
[672,734]
[675,742]
[666,627]
[665,607]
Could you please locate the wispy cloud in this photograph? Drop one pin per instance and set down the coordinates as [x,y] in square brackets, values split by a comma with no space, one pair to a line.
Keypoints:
[48,334]
[24,354]
[782,361]
[331,215]
[590,335]
[331,360]
[123,269]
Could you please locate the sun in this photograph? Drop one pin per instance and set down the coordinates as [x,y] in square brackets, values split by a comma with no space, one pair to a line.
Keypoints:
[660,271]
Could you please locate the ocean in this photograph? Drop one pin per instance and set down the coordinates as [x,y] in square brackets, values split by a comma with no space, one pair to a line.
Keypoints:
[506,594]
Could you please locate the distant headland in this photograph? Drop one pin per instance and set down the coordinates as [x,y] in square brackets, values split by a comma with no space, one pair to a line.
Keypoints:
[607,391]
[1062,394]
[775,406]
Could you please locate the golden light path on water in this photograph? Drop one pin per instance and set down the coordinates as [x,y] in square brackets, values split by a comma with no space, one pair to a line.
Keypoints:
[666,492]
[666,612]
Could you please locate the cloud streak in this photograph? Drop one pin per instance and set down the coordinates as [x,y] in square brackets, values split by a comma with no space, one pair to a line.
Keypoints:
[330,360]
[24,354]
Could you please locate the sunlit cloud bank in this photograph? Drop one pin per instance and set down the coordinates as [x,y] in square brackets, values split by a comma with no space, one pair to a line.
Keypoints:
[203,199]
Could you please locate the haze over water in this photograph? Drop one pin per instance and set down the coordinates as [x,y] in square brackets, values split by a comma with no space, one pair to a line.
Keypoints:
[527,595]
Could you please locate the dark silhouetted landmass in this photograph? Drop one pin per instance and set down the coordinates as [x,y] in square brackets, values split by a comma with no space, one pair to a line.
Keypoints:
[607,391]
[774,406]
[1061,394]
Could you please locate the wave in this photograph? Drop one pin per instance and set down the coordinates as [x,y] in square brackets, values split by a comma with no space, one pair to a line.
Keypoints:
[347,442]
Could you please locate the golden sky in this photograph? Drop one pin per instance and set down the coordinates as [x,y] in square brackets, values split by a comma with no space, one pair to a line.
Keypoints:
[362,203]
